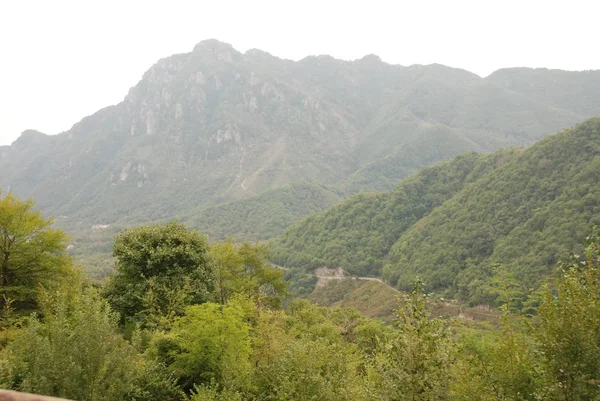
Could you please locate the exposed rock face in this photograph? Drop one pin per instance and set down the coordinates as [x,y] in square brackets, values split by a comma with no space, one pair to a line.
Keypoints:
[215,124]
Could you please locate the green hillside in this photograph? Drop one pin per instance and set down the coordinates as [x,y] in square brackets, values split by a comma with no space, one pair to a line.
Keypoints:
[453,224]
[525,215]
[264,216]
[357,234]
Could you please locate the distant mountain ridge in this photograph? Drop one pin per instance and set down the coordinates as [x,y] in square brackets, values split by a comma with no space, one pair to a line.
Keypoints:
[216,126]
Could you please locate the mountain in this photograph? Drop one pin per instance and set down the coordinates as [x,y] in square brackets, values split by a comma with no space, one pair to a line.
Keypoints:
[213,127]
[553,87]
[357,234]
[526,215]
[454,223]
[263,216]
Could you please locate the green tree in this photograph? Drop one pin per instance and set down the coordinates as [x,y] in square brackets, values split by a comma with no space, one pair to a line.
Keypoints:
[569,329]
[211,392]
[313,369]
[211,342]
[242,269]
[160,270]
[74,352]
[414,363]
[32,253]
[497,364]
[307,353]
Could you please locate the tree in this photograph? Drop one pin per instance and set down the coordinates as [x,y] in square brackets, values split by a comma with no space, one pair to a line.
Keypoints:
[569,333]
[307,353]
[74,352]
[211,392]
[414,363]
[313,369]
[32,253]
[160,270]
[213,343]
[241,269]
[497,364]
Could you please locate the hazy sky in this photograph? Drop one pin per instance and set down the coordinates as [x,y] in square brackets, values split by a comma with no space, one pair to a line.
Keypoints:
[62,60]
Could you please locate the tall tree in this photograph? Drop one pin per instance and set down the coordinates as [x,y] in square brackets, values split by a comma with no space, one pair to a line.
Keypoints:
[32,253]
[242,269]
[160,270]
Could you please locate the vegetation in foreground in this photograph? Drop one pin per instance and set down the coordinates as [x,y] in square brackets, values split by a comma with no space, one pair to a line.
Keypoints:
[182,319]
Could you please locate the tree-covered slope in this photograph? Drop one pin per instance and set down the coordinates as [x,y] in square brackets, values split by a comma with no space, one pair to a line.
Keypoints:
[357,234]
[263,216]
[258,217]
[453,224]
[525,215]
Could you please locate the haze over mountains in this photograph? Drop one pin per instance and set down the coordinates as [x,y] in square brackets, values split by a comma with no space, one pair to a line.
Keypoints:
[263,141]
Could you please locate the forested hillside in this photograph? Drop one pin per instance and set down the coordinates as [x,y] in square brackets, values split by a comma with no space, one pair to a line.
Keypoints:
[525,216]
[456,225]
[357,234]
[263,216]
[182,319]
[209,132]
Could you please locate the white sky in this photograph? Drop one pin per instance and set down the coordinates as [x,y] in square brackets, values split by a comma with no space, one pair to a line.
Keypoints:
[61,60]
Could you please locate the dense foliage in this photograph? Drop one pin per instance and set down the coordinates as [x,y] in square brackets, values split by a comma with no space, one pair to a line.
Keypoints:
[357,234]
[524,215]
[32,253]
[235,342]
[75,352]
[453,223]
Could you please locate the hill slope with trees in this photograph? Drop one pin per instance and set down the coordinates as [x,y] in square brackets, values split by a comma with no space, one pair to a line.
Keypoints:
[524,216]
[356,234]
[183,319]
[458,224]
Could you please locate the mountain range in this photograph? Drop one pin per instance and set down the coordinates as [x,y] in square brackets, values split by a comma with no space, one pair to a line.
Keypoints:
[245,144]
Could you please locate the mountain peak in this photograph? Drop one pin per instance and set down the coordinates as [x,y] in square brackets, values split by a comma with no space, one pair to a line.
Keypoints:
[30,136]
[370,59]
[212,48]
[213,45]
[259,54]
